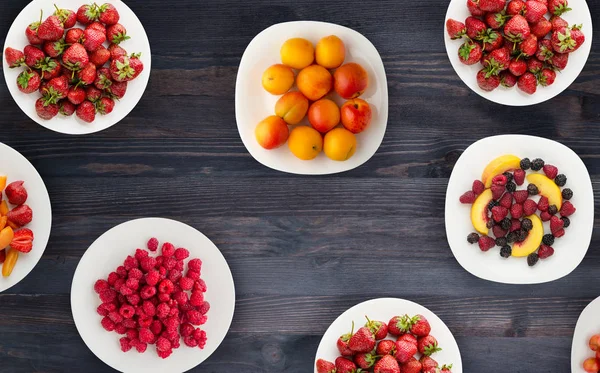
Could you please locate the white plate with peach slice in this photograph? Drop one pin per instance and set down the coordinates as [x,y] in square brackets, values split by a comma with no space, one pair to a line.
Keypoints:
[490,157]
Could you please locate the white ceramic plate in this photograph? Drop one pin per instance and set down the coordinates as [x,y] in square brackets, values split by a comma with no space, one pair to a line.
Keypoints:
[588,324]
[569,249]
[73,125]
[384,309]
[108,252]
[17,167]
[514,96]
[253,103]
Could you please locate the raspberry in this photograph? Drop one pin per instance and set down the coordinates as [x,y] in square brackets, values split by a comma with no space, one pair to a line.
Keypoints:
[163,344]
[190,341]
[181,298]
[110,307]
[206,306]
[120,328]
[147,263]
[152,244]
[130,263]
[174,311]
[186,329]
[132,333]
[141,347]
[149,309]
[175,344]
[152,277]
[132,283]
[200,285]
[468,197]
[199,335]
[121,271]
[156,327]
[121,299]
[551,172]
[115,317]
[194,316]
[195,265]
[148,292]
[170,263]
[545,216]
[127,311]
[186,283]
[124,342]
[162,271]
[529,207]
[499,213]
[140,254]
[516,211]
[519,177]
[164,297]
[107,296]
[497,191]
[197,298]
[124,290]
[112,278]
[168,249]
[130,323]
[556,223]
[159,261]
[193,275]
[543,204]
[179,266]
[146,335]
[101,310]
[559,233]
[162,310]
[164,354]
[499,180]
[101,285]
[545,251]
[567,209]
[133,299]
[145,322]
[135,273]
[181,253]
[107,324]
[174,275]
[506,200]
[166,286]
[478,187]
[120,282]
[172,324]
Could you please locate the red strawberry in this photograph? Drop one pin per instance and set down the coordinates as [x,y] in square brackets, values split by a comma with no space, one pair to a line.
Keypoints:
[420,326]
[469,53]
[517,29]
[487,82]
[486,243]
[76,57]
[86,111]
[116,34]
[93,39]
[117,90]
[102,78]
[492,40]
[97,26]
[343,365]
[93,94]
[428,345]
[543,204]
[556,223]
[67,17]
[560,60]
[14,58]
[498,60]
[529,207]
[50,68]
[387,364]
[558,7]
[545,251]
[515,225]
[74,35]
[550,171]
[378,328]
[396,327]
[567,209]
[324,366]
[408,337]
[499,213]
[545,51]
[54,48]
[51,29]
[100,56]
[342,343]
[565,40]
[492,6]
[411,366]
[108,14]
[404,351]
[88,74]
[428,363]
[516,211]
[126,68]
[473,6]
[33,56]
[57,88]
[529,46]
[21,215]
[478,187]
[558,22]
[515,7]
[534,11]
[520,196]
[475,28]
[386,347]
[116,51]
[506,200]
[46,109]
[22,240]
[507,79]
[66,108]
[31,33]
[541,28]
[455,29]
[534,65]
[468,197]
[517,67]
[365,360]
[559,233]
[16,192]
[446,369]
[76,95]
[106,105]
[28,81]
[362,341]
[527,83]
[87,14]
[498,231]
[497,191]
[495,20]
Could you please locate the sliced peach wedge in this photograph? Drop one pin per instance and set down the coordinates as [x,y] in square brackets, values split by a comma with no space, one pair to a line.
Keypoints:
[2,182]
[547,188]
[499,166]
[6,236]
[533,240]
[479,212]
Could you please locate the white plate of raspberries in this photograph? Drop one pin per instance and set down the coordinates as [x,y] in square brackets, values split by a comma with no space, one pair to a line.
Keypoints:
[405,336]
[163,307]
[517,52]
[555,239]
[82,69]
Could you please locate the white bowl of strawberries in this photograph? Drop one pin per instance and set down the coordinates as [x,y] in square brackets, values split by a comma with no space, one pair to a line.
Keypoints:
[539,46]
[74,67]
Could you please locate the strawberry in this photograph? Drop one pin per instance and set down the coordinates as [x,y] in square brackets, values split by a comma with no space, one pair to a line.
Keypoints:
[387,364]
[116,34]
[428,345]
[529,46]
[378,328]
[93,94]
[21,215]
[545,251]
[506,200]
[51,29]
[31,32]
[76,95]
[492,40]
[420,326]
[515,7]
[520,196]
[577,35]
[411,366]
[546,77]
[93,39]
[487,82]
[362,341]
[408,338]
[324,366]
[428,363]
[468,197]
[507,79]
[558,7]
[88,74]
[22,240]
[558,22]
[559,60]
[517,29]
[42,88]
[534,11]
[498,60]
[74,35]
[492,6]
[446,368]
[67,17]
[527,83]
[117,90]
[14,58]
[567,209]
[106,105]
[97,26]
[54,48]
[475,28]
[565,40]
[455,29]
[342,343]
[478,187]
[86,111]
[386,347]
[550,170]
[534,65]
[473,6]
[343,365]
[76,57]
[495,20]
[499,213]
[404,351]
[486,243]
[28,81]
[87,14]
[33,56]
[365,360]
[50,68]
[116,51]
[516,211]
[57,88]
[108,14]
[102,78]
[16,192]
[529,207]
[541,28]
[126,68]
[545,51]
[517,67]
[66,108]
[556,223]
[100,56]
[469,52]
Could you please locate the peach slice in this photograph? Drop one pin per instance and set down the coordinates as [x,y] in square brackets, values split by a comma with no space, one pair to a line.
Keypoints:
[3,220]
[2,182]
[499,166]
[3,208]
[533,240]
[6,236]
[547,188]
[479,212]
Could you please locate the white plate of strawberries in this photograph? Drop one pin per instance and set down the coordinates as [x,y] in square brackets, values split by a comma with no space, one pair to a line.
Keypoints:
[77,67]
[388,335]
[518,52]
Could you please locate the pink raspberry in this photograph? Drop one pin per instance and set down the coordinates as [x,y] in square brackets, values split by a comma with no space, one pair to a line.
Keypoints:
[190,341]
[162,271]
[195,265]
[145,322]
[120,328]
[506,200]
[200,285]
[519,177]
[164,354]
[107,324]
[133,299]
[175,344]
[515,225]
[516,211]
[171,335]
[152,244]
[101,310]
[550,171]
[121,299]
[485,243]
[478,187]
[115,317]
[101,285]
[205,307]
[559,233]
[529,207]
[107,296]
[166,286]
[499,213]
[545,216]
[112,278]
[149,308]
[141,347]
[146,335]
[120,282]
[179,266]
[193,275]
[520,196]
[156,327]
[121,271]
[124,342]
[148,292]
[199,335]
[171,323]
[135,273]
[194,316]
[499,180]
[197,298]
[543,204]
[186,329]
[186,307]
[132,283]
[468,197]
[132,333]
[163,344]
[174,275]
[181,297]
[186,283]
[140,254]
[159,261]
[567,209]
[164,297]
[497,191]
[545,251]
[556,223]
[168,249]
[130,323]
[147,263]
[174,312]
[130,263]
[181,253]
[170,263]
[152,277]
[110,307]
[127,311]
[126,291]
[162,310]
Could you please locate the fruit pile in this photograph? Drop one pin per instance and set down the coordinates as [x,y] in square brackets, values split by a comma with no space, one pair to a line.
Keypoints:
[515,42]
[150,301]
[315,82]
[512,215]
[592,365]
[70,66]
[14,237]
[368,348]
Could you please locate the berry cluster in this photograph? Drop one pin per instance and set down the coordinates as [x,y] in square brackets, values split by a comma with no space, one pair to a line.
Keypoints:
[70,66]
[515,42]
[150,301]
[368,348]
[592,365]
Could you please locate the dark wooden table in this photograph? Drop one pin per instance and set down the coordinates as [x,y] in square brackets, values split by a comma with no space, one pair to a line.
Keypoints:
[302,249]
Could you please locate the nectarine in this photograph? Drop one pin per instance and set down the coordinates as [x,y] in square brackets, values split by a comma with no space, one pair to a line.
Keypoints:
[2,182]
[314,82]
[292,107]
[350,80]
[330,52]
[356,115]
[305,142]
[297,53]
[272,132]
[324,115]
[339,144]
[278,79]
[6,236]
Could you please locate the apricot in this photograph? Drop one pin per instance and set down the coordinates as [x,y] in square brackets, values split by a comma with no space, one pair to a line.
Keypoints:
[330,52]
[292,107]
[305,142]
[339,144]
[324,115]
[314,82]
[2,182]
[351,80]
[6,236]
[297,53]
[272,132]
[278,79]
[9,262]
[356,115]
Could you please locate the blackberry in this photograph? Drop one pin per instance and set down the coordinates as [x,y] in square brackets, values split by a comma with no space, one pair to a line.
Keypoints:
[505,251]
[489,224]
[532,189]
[501,241]
[492,204]
[537,164]
[532,259]
[566,220]
[525,164]
[548,239]
[521,235]
[512,237]
[560,180]
[567,194]
[511,187]
[526,224]
[473,238]
[552,210]
[505,224]
[509,176]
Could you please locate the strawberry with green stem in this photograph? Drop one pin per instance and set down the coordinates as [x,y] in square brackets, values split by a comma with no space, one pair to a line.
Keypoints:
[103,80]
[387,364]
[487,81]
[497,61]
[378,328]
[476,29]
[541,28]
[529,46]
[75,58]
[50,68]
[496,20]
[125,69]
[546,77]
[405,350]
[565,40]
[28,81]
[386,347]
[558,7]
[74,35]
[527,83]
[517,29]
[365,360]
[492,40]
[343,365]
[545,51]
[428,345]
[100,56]
[46,109]
[87,14]
[559,60]
[93,39]
[105,105]
[507,79]
[51,29]
[342,343]
[455,29]
[412,366]
[116,34]
[87,75]
[446,368]
[31,32]
[14,58]
[515,7]
[116,51]
[66,108]
[474,9]
[54,48]
[86,111]
[470,52]
[33,56]
[76,94]
[116,90]
[67,17]
[534,11]
[324,366]
[362,341]
[108,14]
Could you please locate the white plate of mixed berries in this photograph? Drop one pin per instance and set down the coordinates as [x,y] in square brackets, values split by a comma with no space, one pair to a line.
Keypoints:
[539,47]
[152,295]
[519,209]
[25,217]
[585,352]
[388,335]
[76,67]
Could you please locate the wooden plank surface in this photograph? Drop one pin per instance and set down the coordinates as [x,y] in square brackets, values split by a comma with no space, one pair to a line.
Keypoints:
[301,249]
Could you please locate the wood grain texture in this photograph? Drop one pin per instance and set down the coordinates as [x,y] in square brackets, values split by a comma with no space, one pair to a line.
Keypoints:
[302,249]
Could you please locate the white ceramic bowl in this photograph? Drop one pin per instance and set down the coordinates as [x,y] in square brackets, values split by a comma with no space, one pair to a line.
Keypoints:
[73,125]
[383,309]
[588,324]
[253,103]
[108,252]
[457,9]
[569,249]
[17,167]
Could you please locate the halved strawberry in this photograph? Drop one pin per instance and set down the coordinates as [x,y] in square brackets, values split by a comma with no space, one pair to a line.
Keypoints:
[22,240]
